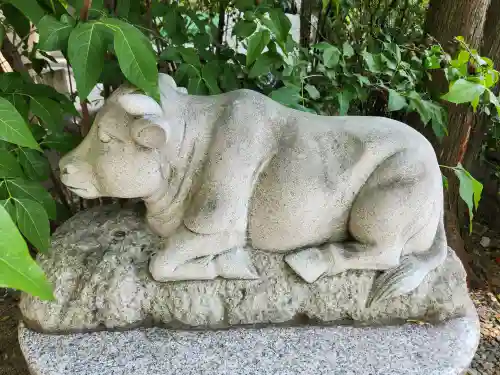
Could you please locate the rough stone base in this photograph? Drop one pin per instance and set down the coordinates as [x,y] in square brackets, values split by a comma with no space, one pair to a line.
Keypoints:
[412,349]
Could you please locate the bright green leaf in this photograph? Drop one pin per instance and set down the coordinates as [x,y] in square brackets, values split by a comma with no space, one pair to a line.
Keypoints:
[322,46]
[463,91]
[136,56]
[13,128]
[287,95]
[312,91]
[331,56]
[30,9]
[470,190]
[24,189]
[35,165]
[196,86]
[262,65]
[344,97]
[190,56]
[48,111]
[396,101]
[243,29]
[209,75]
[61,141]
[347,49]
[9,167]
[17,269]
[86,51]
[281,24]
[256,44]
[53,34]
[33,223]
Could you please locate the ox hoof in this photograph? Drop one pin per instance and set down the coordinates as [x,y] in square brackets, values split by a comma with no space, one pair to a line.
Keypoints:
[309,264]
[236,264]
[163,269]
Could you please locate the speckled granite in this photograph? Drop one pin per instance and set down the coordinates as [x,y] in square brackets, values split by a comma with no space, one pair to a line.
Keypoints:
[98,265]
[412,349]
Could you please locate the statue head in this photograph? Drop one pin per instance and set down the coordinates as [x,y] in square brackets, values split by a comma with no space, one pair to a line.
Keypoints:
[122,155]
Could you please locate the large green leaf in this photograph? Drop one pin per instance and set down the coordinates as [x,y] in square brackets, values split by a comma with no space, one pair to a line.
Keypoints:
[209,72]
[61,141]
[312,91]
[262,65]
[33,223]
[287,95]
[48,111]
[86,51]
[136,56]
[19,22]
[331,56]
[13,128]
[17,269]
[24,189]
[35,165]
[243,29]
[463,91]
[9,167]
[280,25]
[256,44]
[396,101]
[53,34]
[470,190]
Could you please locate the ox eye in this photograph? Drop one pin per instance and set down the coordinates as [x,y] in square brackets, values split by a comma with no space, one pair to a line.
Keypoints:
[104,138]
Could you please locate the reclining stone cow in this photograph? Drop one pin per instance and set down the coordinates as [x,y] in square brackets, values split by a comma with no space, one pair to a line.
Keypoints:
[223,174]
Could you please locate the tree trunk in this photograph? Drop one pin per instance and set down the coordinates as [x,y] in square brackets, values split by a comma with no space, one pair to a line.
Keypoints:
[445,20]
[305,22]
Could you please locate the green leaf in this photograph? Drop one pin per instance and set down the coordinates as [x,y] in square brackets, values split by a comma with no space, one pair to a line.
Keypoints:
[281,25]
[190,56]
[9,167]
[136,56]
[13,128]
[229,80]
[374,62]
[209,74]
[86,51]
[53,34]
[48,111]
[470,190]
[312,91]
[19,21]
[9,207]
[2,34]
[262,65]
[17,269]
[33,223]
[287,95]
[256,44]
[243,29]
[196,86]
[347,50]
[35,165]
[344,97]
[331,56]
[63,142]
[30,9]
[396,101]
[24,189]
[322,46]
[416,103]
[123,8]
[463,91]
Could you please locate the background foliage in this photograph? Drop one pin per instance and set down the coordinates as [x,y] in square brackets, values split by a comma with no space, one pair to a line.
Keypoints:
[365,57]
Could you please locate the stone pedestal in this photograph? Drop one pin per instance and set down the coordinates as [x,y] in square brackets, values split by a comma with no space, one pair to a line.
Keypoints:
[410,349]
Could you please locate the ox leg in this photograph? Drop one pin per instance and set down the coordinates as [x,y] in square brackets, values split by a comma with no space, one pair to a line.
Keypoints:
[191,256]
[234,163]
[394,211]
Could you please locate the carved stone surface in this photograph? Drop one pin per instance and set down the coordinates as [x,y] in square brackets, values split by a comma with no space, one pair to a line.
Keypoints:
[446,349]
[239,171]
[98,265]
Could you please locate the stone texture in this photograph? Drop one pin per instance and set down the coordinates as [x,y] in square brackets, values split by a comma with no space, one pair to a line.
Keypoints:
[98,265]
[445,349]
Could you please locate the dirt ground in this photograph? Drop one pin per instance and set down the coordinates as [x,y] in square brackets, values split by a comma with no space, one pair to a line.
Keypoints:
[486,264]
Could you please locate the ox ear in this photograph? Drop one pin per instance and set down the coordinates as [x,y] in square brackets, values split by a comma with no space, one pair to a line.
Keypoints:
[140,105]
[147,133]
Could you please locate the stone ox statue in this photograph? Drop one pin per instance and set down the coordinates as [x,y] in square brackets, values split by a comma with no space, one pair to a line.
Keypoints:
[222,175]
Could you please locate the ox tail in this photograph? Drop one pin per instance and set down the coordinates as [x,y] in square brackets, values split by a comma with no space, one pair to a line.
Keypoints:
[411,271]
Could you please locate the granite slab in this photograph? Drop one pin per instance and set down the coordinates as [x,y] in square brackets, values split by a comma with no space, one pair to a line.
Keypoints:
[410,349]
